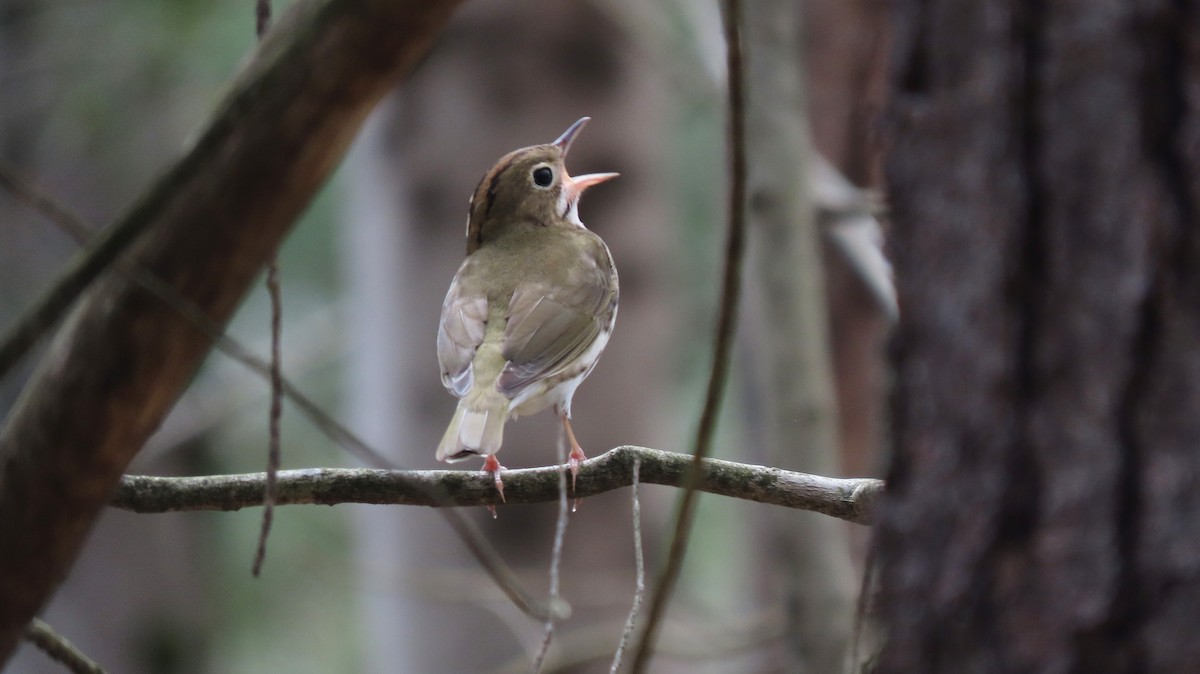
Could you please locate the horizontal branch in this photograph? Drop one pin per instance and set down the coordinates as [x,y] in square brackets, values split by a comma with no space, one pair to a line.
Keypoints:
[849,499]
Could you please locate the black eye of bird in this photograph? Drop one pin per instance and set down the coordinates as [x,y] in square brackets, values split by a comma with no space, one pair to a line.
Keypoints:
[543,176]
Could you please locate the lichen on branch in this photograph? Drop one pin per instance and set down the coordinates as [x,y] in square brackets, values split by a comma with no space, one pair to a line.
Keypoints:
[850,499]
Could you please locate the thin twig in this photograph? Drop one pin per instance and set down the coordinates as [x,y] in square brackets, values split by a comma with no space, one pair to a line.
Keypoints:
[639,592]
[560,533]
[59,649]
[501,574]
[83,232]
[262,21]
[262,17]
[23,333]
[865,590]
[431,493]
[275,449]
[850,499]
[726,323]
[40,201]
[26,331]
[697,640]
[476,544]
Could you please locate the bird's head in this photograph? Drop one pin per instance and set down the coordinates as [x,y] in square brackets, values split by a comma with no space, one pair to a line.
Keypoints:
[530,186]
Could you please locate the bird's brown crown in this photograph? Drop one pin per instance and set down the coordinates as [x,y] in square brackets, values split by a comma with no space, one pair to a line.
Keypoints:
[524,188]
[529,188]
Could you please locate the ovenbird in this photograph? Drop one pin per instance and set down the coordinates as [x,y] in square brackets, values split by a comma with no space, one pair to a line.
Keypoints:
[532,306]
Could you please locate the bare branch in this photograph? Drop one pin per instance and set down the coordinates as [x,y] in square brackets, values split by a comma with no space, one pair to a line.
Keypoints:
[262,17]
[850,499]
[639,592]
[59,649]
[205,228]
[560,533]
[735,245]
[275,415]
[700,640]
[275,450]
[34,197]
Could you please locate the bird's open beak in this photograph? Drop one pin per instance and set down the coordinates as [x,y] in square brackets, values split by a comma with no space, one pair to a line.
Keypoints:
[575,186]
[572,189]
[564,141]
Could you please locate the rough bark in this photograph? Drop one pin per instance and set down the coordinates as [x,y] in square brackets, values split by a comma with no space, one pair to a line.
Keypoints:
[122,357]
[1044,499]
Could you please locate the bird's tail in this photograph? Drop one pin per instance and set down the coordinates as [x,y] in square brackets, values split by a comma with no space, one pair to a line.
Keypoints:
[473,431]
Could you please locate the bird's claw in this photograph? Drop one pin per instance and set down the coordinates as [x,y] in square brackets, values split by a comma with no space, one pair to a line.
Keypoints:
[577,457]
[491,465]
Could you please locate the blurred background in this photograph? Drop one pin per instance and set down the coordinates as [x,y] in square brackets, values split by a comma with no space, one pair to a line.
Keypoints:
[98,97]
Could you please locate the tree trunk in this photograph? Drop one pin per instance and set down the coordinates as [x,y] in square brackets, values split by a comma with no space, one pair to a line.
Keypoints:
[1044,499]
[122,357]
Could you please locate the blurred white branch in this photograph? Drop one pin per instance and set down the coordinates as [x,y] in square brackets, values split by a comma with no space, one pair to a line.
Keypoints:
[847,216]
[59,649]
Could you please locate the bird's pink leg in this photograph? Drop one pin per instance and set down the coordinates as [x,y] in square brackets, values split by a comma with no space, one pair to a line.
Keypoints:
[491,465]
[577,456]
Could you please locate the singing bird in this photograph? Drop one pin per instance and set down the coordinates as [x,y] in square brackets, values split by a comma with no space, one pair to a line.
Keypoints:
[532,306]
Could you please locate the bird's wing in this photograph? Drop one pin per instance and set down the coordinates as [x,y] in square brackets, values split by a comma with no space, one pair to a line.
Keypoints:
[460,332]
[549,327]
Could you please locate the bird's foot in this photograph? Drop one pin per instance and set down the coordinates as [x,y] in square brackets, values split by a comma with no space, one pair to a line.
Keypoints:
[576,457]
[491,465]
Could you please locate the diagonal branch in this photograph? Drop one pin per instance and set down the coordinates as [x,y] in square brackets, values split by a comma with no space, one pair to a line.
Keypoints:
[731,283]
[639,592]
[206,228]
[262,12]
[59,649]
[850,499]
[472,539]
